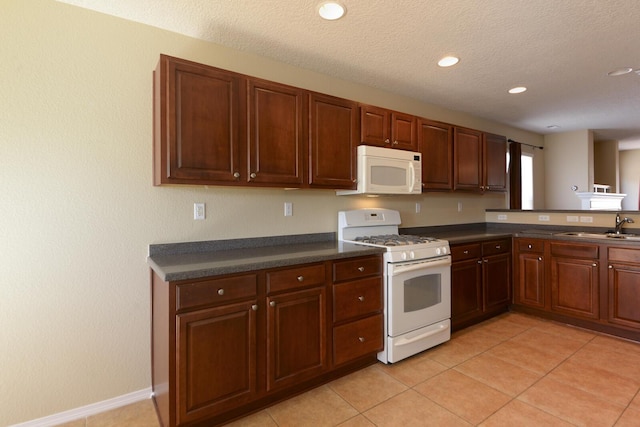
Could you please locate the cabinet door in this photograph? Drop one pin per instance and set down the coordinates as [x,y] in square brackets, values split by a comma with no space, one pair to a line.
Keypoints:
[374,126]
[403,132]
[466,291]
[296,337]
[436,145]
[495,162]
[216,365]
[333,137]
[530,289]
[574,287]
[277,129]
[198,124]
[467,169]
[624,295]
[496,271]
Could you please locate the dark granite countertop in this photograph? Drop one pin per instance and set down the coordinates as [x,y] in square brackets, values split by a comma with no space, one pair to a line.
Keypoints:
[185,261]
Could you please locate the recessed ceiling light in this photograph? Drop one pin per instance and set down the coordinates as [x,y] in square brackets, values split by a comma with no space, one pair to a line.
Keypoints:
[448,61]
[518,89]
[620,71]
[331,10]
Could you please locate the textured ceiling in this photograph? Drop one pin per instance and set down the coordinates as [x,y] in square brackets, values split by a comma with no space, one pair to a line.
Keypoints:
[561,50]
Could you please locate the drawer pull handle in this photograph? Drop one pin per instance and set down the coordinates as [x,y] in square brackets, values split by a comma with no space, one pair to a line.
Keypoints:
[361,339]
[220,291]
[254,307]
[530,246]
[272,303]
[466,252]
[360,269]
[361,298]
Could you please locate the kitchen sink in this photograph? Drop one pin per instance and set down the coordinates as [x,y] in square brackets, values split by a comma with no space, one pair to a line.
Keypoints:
[622,236]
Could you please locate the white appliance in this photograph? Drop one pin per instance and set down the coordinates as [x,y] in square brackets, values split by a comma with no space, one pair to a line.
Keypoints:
[387,171]
[417,281]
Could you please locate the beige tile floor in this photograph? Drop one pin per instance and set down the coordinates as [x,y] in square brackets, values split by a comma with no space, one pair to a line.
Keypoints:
[513,370]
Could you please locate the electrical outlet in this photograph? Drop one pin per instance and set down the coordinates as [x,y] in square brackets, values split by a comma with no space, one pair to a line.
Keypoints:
[586,219]
[543,218]
[572,218]
[418,207]
[502,217]
[198,211]
[288,209]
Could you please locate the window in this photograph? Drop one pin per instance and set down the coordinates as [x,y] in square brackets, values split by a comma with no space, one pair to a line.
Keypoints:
[527,181]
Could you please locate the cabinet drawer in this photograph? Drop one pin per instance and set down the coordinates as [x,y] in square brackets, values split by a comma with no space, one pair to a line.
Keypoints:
[528,245]
[357,339]
[215,291]
[574,250]
[356,268]
[462,252]
[355,299]
[296,277]
[496,247]
[624,255]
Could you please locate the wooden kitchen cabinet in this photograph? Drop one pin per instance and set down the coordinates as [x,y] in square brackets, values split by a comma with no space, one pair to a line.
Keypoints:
[479,161]
[480,281]
[529,274]
[357,309]
[386,128]
[436,145]
[199,125]
[225,346]
[575,279]
[277,133]
[623,288]
[334,126]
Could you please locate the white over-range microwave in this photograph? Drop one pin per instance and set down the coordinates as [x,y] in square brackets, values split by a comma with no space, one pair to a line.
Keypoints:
[387,171]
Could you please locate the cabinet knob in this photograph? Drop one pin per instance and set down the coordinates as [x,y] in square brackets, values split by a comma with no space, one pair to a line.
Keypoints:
[594,265]
[254,307]
[300,278]
[479,261]
[361,298]
[485,260]
[539,258]
[361,339]
[220,291]
[236,175]
[272,303]
[530,246]
[386,141]
[253,175]
[611,267]
[466,252]
[395,142]
[498,247]
[360,269]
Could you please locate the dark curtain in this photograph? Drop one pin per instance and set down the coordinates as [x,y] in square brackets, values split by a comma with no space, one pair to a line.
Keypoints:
[515,176]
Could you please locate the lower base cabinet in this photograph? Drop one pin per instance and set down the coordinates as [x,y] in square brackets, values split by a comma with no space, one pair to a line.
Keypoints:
[223,347]
[624,287]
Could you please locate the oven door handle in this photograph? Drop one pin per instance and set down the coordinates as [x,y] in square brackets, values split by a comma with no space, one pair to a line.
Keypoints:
[404,268]
[407,341]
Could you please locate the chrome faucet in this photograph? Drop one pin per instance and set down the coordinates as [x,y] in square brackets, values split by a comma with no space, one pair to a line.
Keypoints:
[621,222]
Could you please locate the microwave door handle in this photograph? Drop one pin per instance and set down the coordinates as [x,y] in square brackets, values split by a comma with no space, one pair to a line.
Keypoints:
[413,177]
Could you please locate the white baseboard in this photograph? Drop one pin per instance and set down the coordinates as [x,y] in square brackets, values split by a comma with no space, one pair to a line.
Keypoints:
[86,411]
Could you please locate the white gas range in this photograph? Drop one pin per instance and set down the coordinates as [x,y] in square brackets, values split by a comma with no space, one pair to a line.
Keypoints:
[417,276]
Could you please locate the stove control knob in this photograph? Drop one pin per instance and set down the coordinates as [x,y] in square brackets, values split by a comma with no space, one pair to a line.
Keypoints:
[412,255]
[438,251]
[403,255]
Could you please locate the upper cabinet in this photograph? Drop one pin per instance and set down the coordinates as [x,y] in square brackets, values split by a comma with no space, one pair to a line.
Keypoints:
[436,145]
[334,126]
[386,128]
[277,131]
[217,127]
[479,161]
[198,124]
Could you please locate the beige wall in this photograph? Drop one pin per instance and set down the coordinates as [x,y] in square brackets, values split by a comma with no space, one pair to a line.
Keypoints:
[630,178]
[605,164]
[78,209]
[568,162]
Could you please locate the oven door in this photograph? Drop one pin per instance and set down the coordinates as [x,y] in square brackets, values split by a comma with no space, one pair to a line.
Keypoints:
[418,294]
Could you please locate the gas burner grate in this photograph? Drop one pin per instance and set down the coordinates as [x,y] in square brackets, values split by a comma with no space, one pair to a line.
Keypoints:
[395,239]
